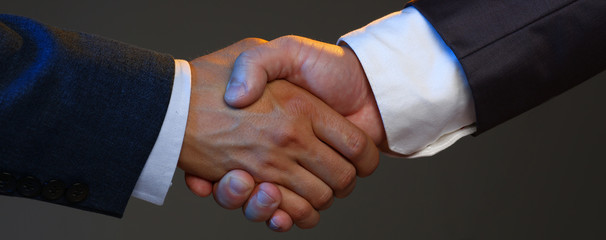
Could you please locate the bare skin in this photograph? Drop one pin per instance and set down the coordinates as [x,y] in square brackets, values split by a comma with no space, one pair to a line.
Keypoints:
[330,72]
[288,137]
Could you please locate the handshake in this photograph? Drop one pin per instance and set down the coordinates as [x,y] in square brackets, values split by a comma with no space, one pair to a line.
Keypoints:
[280,128]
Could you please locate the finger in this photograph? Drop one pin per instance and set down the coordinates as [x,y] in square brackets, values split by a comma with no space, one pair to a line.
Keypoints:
[198,186]
[346,138]
[258,65]
[308,186]
[317,160]
[328,165]
[263,202]
[300,211]
[280,221]
[233,189]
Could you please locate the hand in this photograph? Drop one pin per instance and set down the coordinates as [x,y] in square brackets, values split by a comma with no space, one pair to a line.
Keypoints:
[235,190]
[287,137]
[332,73]
[323,69]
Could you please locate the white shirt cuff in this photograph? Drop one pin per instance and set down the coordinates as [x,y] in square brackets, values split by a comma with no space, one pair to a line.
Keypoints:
[157,174]
[420,88]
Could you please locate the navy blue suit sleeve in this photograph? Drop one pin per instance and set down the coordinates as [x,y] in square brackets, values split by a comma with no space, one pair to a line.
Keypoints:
[517,54]
[79,114]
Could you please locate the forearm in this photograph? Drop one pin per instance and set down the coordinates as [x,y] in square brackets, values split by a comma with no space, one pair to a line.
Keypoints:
[80,108]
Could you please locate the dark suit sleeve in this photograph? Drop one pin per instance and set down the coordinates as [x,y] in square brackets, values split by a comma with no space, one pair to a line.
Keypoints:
[79,114]
[519,53]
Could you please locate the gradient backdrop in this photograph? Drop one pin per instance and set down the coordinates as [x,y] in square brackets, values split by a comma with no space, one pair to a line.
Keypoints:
[539,176]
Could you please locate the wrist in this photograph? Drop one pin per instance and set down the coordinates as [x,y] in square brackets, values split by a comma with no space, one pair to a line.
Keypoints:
[370,118]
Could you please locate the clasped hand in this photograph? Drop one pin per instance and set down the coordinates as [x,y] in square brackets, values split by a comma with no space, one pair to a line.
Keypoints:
[281,150]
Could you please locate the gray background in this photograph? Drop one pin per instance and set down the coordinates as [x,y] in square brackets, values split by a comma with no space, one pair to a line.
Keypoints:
[539,176]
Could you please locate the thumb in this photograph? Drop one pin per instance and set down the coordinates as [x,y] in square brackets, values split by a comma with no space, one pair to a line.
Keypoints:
[234,189]
[259,65]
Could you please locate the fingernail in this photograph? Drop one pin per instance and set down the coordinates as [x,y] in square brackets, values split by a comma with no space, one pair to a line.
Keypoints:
[273,225]
[235,89]
[238,186]
[264,200]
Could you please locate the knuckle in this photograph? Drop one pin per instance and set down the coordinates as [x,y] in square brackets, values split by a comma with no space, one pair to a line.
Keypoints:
[285,135]
[301,212]
[288,38]
[252,41]
[250,57]
[347,177]
[324,199]
[345,192]
[247,56]
[356,144]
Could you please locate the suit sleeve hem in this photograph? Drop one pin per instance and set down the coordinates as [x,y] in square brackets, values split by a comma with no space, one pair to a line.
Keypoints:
[156,178]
